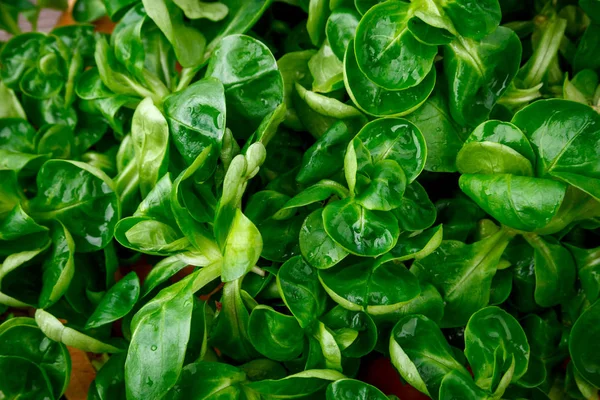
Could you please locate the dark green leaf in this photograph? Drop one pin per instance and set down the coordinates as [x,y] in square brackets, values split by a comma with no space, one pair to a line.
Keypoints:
[117,302]
[301,290]
[369,287]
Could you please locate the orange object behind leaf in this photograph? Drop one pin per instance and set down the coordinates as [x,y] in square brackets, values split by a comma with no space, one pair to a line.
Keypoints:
[103,25]
[82,375]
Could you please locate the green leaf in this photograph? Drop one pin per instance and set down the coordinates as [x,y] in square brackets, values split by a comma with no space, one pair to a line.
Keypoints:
[591,8]
[492,158]
[544,336]
[330,348]
[16,262]
[520,202]
[253,85]
[213,11]
[442,134]
[474,20]
[417,245]
[162,271]
[366,286]
[59,268]
[456,384]
[476,85]
[10,106]
[110,380]
[555,271]
[429,34]
[318,249]
[230,330]
[421,354]
[188,42]
[243,14]
[587,261]
[150,134]
[18,224]
[202,320]
[23,339]
[305,383]
[588,46]
[81,197]
[316,193]
[88,10]
[428,303]
[196,118]
[150,236]
[127,39]
[346,389]
[18,56]
[502,285]
[30,383]
[326,69]
[116,8]
[56,331]
[203,380]
[318,113]
[118,301]
[275,335]
[378,101]
[9,191]
[394,139]
[301,291]
[56,140]
[294,67]
[340,29]
[242,169]
[546,46]
[242,248]
[416,211]
[160,333]
[119,80]
[489,330]
[156,207]
[280,238]
[583,348]
[384,189]
[463,274]
[193,204]
[358,230]
[317,19]
[563,142]
[504,133]
[339,320]
[581,88]
[387,52]
[326,155]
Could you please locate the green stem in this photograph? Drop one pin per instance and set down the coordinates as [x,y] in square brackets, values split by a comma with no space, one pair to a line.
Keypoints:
[11,25]
[515,98]
[74,69]
[128,179]
[534,240]
[205,276]
[533,72]
[187,74]
[157,87]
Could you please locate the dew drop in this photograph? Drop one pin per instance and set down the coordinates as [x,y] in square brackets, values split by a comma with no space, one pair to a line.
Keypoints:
[153,348]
